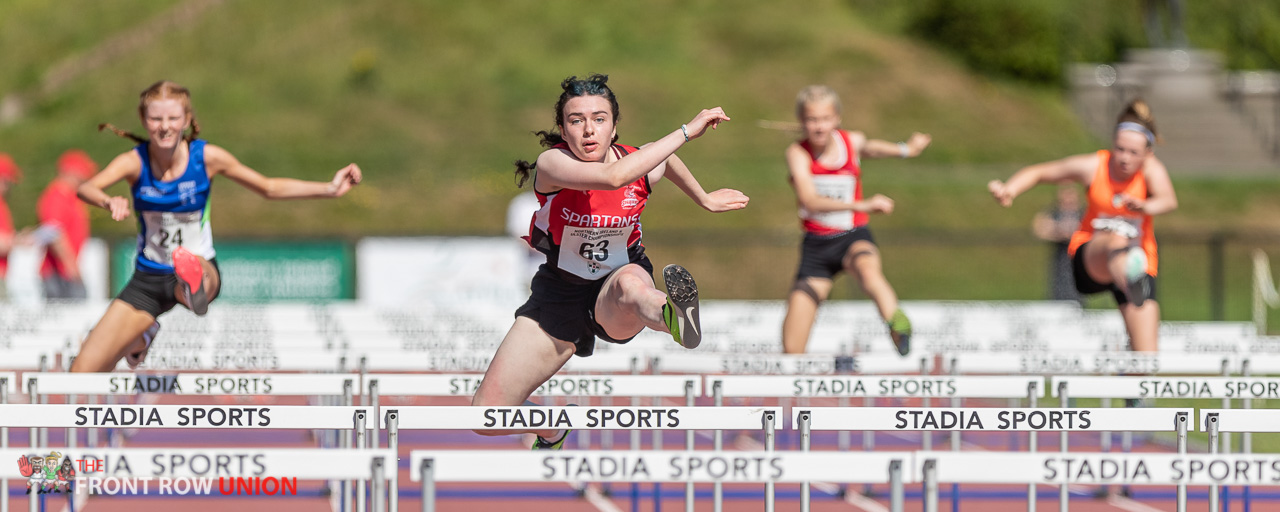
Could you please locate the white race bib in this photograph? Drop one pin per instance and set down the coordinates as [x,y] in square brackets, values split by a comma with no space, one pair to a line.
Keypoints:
[591,253]
[840,188]
[1128,227]
[167,231]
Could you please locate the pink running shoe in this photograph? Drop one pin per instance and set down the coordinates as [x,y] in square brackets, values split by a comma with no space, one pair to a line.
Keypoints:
[190,273]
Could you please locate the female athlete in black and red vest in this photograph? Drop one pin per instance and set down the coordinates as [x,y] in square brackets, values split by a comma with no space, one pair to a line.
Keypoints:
[597,281]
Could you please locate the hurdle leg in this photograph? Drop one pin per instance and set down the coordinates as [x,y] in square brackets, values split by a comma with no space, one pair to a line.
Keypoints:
[769,418]
[427,474]
[1182,449]
[689,495]
[393,442]
[896,491]
[1212,419]
[4,445]
[360,433]
[868,438]
[1246,438]
[377,475]
[1064,493]
[373,403]
[931,485]
[718,437]
[955,447]
[1033,396]
[805,421]
[344,442]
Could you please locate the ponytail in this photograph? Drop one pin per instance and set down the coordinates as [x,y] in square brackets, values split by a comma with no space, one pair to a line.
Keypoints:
[134,137]
[1137,111]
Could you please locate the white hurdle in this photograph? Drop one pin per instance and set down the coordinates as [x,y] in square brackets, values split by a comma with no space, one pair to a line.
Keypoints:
[1000,419]
[1089,363]
[589,418]
[897,386]
[768,467]
[301,417]
[148,464]
[1094,469]
[1216,421]
[658,386]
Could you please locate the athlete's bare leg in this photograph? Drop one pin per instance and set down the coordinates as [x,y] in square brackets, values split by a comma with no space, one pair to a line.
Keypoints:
[212,283]
[116,334]
[802,309]
[862,261]
[527,357]
[1143,325]
[1105,260]
[629,302]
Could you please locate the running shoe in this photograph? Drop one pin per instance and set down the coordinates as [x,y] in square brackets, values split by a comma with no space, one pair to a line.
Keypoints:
[681,311]
[190,271]
[900,332]
[148,336]
[542,444]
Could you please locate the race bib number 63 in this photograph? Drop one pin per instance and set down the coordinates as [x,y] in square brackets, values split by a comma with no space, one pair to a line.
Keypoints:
[591,253]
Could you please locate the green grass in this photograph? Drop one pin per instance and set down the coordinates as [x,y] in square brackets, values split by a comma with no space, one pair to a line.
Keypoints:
[436,99]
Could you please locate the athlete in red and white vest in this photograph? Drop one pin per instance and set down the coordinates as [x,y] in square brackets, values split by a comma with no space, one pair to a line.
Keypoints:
[597,282]
[826,173]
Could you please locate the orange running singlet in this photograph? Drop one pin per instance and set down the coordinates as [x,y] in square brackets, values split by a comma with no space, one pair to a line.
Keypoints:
[1102,204]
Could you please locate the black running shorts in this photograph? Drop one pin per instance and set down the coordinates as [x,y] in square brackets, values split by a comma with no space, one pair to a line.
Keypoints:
[823,255]
[566,310]
[153,293]
[1087,286]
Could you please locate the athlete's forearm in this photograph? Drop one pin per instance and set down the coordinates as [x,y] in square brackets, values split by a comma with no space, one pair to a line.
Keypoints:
[682,177]
[93,196]
[290,188]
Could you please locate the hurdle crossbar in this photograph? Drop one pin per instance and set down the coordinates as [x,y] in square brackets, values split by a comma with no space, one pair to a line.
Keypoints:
[429,467]
[913,386]
[208,384]
[1168,387]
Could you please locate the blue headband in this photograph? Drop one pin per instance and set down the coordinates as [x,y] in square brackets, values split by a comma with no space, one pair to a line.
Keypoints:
[1135,127]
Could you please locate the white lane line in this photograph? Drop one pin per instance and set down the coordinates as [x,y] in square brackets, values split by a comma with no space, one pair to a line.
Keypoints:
[1128,504]
[600,501]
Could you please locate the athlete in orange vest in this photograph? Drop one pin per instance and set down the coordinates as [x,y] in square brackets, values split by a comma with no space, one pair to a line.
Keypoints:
[825,170]
[1114,249]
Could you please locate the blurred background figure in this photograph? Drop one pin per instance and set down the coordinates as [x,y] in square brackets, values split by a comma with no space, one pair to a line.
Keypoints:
[1056,224]
[64,227]
[1164,30]
[9,175]
[519,214]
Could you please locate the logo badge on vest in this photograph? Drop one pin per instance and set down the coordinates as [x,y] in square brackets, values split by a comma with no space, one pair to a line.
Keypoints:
[629,199]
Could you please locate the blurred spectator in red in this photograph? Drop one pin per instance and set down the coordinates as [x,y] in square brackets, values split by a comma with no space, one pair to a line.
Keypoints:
[64,226]
[9,175]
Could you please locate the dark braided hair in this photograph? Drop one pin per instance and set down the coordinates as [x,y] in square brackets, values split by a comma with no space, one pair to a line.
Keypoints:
[163,89]
[594,85]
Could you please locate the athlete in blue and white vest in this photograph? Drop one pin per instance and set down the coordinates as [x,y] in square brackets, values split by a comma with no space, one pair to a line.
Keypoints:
[170,173]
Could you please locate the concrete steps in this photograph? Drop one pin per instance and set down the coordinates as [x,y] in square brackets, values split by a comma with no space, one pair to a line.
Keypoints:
[1208,127]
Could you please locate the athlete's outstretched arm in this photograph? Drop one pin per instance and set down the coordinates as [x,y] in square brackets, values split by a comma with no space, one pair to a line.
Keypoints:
[876,148]
[1078,168]
[722,200]
[558,169]
[221,161]
[127,167]
[1160,196]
